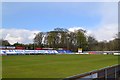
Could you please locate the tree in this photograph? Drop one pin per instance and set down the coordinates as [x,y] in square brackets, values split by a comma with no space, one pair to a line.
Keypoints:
[62,35]
[29,46]
[18,44]
[92,43]
[62,38]
[4,42]
[114,44]
[38,39]
[52,39]
[81,39]
[71,41]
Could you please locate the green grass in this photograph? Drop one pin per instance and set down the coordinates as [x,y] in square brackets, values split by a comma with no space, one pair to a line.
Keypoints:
[53,66]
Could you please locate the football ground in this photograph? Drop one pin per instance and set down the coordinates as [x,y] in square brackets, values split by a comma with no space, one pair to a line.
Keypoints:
[53,66]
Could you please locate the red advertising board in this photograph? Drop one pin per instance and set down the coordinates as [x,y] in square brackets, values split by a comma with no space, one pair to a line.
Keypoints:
[20,47]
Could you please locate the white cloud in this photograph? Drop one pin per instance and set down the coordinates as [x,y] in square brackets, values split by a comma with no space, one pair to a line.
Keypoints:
[18,35]
[72,29]
[105,32]
[108,26]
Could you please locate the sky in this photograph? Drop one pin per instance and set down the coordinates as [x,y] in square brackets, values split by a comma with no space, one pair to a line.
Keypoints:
[20,20]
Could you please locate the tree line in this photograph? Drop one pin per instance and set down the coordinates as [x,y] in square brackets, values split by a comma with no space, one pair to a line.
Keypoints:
[63,38]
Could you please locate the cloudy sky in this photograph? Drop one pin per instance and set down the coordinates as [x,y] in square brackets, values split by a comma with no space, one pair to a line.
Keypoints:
[20,20]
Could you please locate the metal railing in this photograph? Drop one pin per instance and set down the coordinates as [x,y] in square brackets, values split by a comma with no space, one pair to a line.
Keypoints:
[108,73]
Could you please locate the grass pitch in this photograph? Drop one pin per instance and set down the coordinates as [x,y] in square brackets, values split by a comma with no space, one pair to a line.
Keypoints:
[53,66]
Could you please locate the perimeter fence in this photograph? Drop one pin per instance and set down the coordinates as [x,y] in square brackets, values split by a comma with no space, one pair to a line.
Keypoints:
[108,73]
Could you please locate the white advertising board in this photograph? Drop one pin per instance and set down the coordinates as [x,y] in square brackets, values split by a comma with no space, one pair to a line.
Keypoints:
[27,51]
